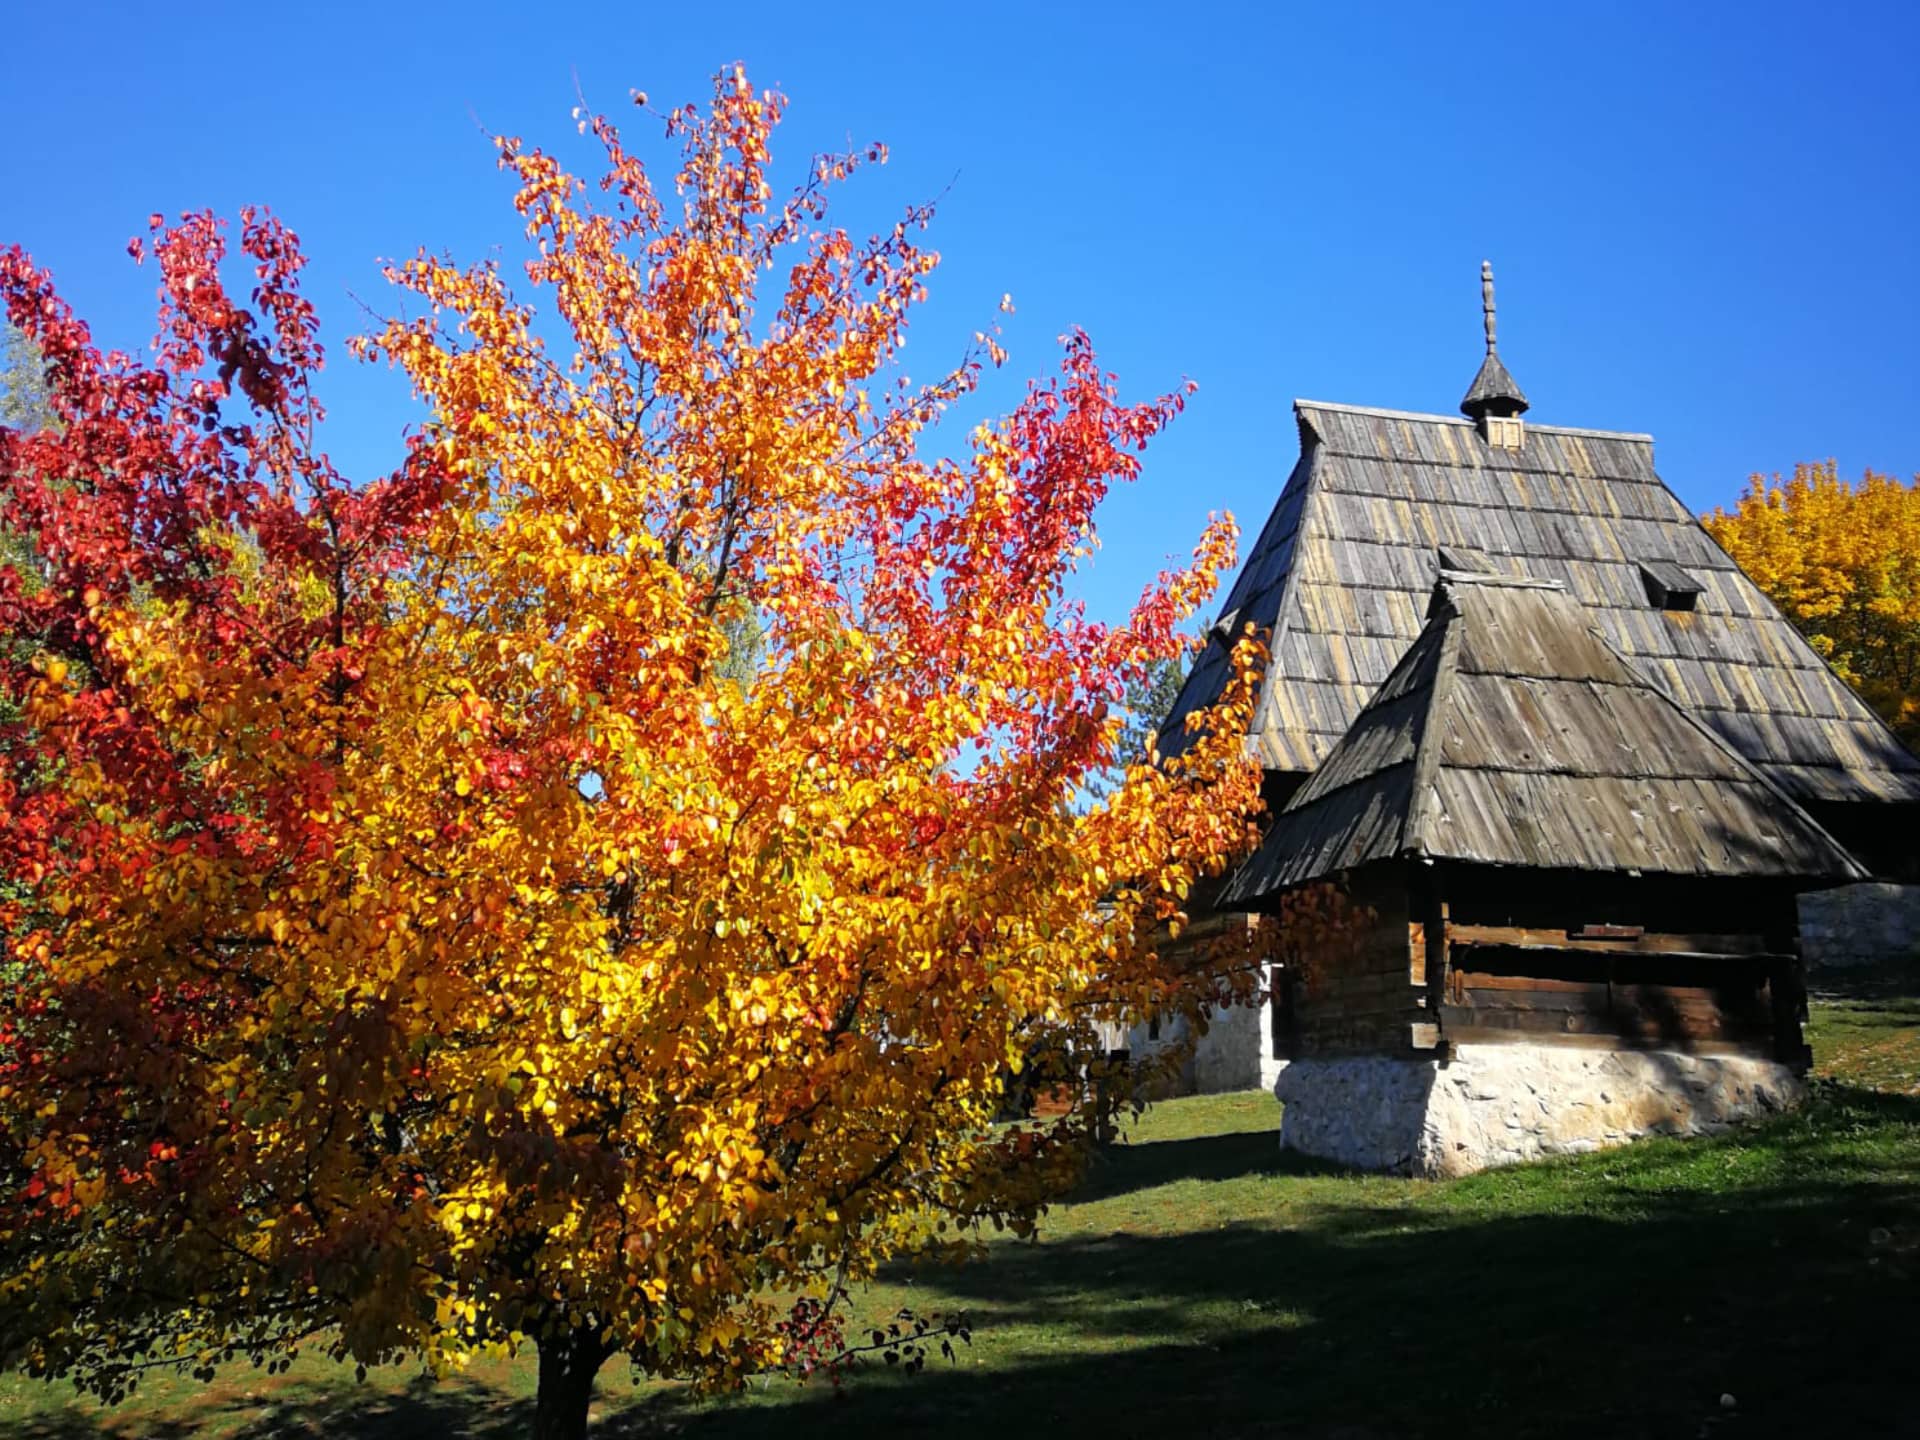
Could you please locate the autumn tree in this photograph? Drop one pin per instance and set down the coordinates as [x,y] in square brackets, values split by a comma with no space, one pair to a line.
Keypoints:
[428,939]
[1842,561]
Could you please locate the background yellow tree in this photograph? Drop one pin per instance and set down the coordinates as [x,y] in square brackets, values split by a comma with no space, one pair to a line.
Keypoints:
[438,931]
[1842,560]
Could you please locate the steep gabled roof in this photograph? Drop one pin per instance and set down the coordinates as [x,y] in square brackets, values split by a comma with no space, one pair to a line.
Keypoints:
[1512,733]
[1341,574]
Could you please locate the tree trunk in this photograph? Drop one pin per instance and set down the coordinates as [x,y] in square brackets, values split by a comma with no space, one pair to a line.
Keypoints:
[568,1363]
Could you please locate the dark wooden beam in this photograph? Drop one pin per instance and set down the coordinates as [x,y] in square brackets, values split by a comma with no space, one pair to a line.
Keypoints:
[1430,909]
[1522,937]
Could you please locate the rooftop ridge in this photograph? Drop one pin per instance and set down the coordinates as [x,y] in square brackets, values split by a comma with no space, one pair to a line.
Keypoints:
[1463,423]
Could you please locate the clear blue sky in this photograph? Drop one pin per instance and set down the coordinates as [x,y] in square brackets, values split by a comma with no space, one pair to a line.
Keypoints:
[1703,216]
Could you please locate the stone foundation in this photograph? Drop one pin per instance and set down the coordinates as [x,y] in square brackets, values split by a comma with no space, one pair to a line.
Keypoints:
[1500,1104]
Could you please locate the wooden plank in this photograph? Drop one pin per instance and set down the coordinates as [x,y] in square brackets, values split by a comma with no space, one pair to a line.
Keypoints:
[1644,1012]
[1456,1018]
[1591,999]
[1683,1032]
[1519,937]
[1461,1030]
[1735,997]
[1470,980]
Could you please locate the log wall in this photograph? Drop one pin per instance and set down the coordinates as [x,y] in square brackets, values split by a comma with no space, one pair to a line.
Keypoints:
[1623,962]
[1359,991]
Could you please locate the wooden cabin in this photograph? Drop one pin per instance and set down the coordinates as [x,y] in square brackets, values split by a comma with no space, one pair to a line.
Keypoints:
[1568,766]
[1552,875]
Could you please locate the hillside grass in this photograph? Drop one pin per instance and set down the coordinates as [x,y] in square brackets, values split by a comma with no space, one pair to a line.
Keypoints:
[1202,1280]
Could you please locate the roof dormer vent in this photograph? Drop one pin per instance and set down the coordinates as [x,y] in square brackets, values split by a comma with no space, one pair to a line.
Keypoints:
[1668,586]
[1494,401]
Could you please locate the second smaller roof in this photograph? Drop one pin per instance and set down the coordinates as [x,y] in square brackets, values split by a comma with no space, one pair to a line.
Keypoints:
[1512,733]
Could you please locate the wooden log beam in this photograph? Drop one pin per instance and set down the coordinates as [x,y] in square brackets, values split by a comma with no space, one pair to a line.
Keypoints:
[1435,957]
[1523,937]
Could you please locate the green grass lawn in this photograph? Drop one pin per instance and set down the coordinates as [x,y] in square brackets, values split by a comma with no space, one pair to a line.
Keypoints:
[1202,1281]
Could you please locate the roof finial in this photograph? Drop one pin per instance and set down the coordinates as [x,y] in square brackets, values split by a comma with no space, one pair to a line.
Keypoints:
[1486,301]
[1494,391]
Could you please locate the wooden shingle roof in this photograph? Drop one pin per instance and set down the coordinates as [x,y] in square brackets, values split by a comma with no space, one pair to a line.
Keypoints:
[1341,575]
[1512,733]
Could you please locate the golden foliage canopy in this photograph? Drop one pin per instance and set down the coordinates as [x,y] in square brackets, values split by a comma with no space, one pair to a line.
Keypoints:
[1842,561]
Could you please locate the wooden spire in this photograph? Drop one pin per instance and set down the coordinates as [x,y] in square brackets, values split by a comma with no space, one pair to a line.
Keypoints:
[1486,302]
[1494,391]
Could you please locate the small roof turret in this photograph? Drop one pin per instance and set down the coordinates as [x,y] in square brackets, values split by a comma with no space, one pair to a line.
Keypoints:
[1494,390]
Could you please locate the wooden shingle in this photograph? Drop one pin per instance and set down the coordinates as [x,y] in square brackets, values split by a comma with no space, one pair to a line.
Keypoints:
[1340,578]
[1513,733]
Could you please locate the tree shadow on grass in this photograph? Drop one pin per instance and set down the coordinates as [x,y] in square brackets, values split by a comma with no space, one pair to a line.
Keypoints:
[1623,1297]
[423,1408]
[1616,1295]
[456,1406]
[1124,1168]
[1561,1326]
[74,1425]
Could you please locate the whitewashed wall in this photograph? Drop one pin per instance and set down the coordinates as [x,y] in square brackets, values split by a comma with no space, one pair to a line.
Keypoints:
[1236,1053]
